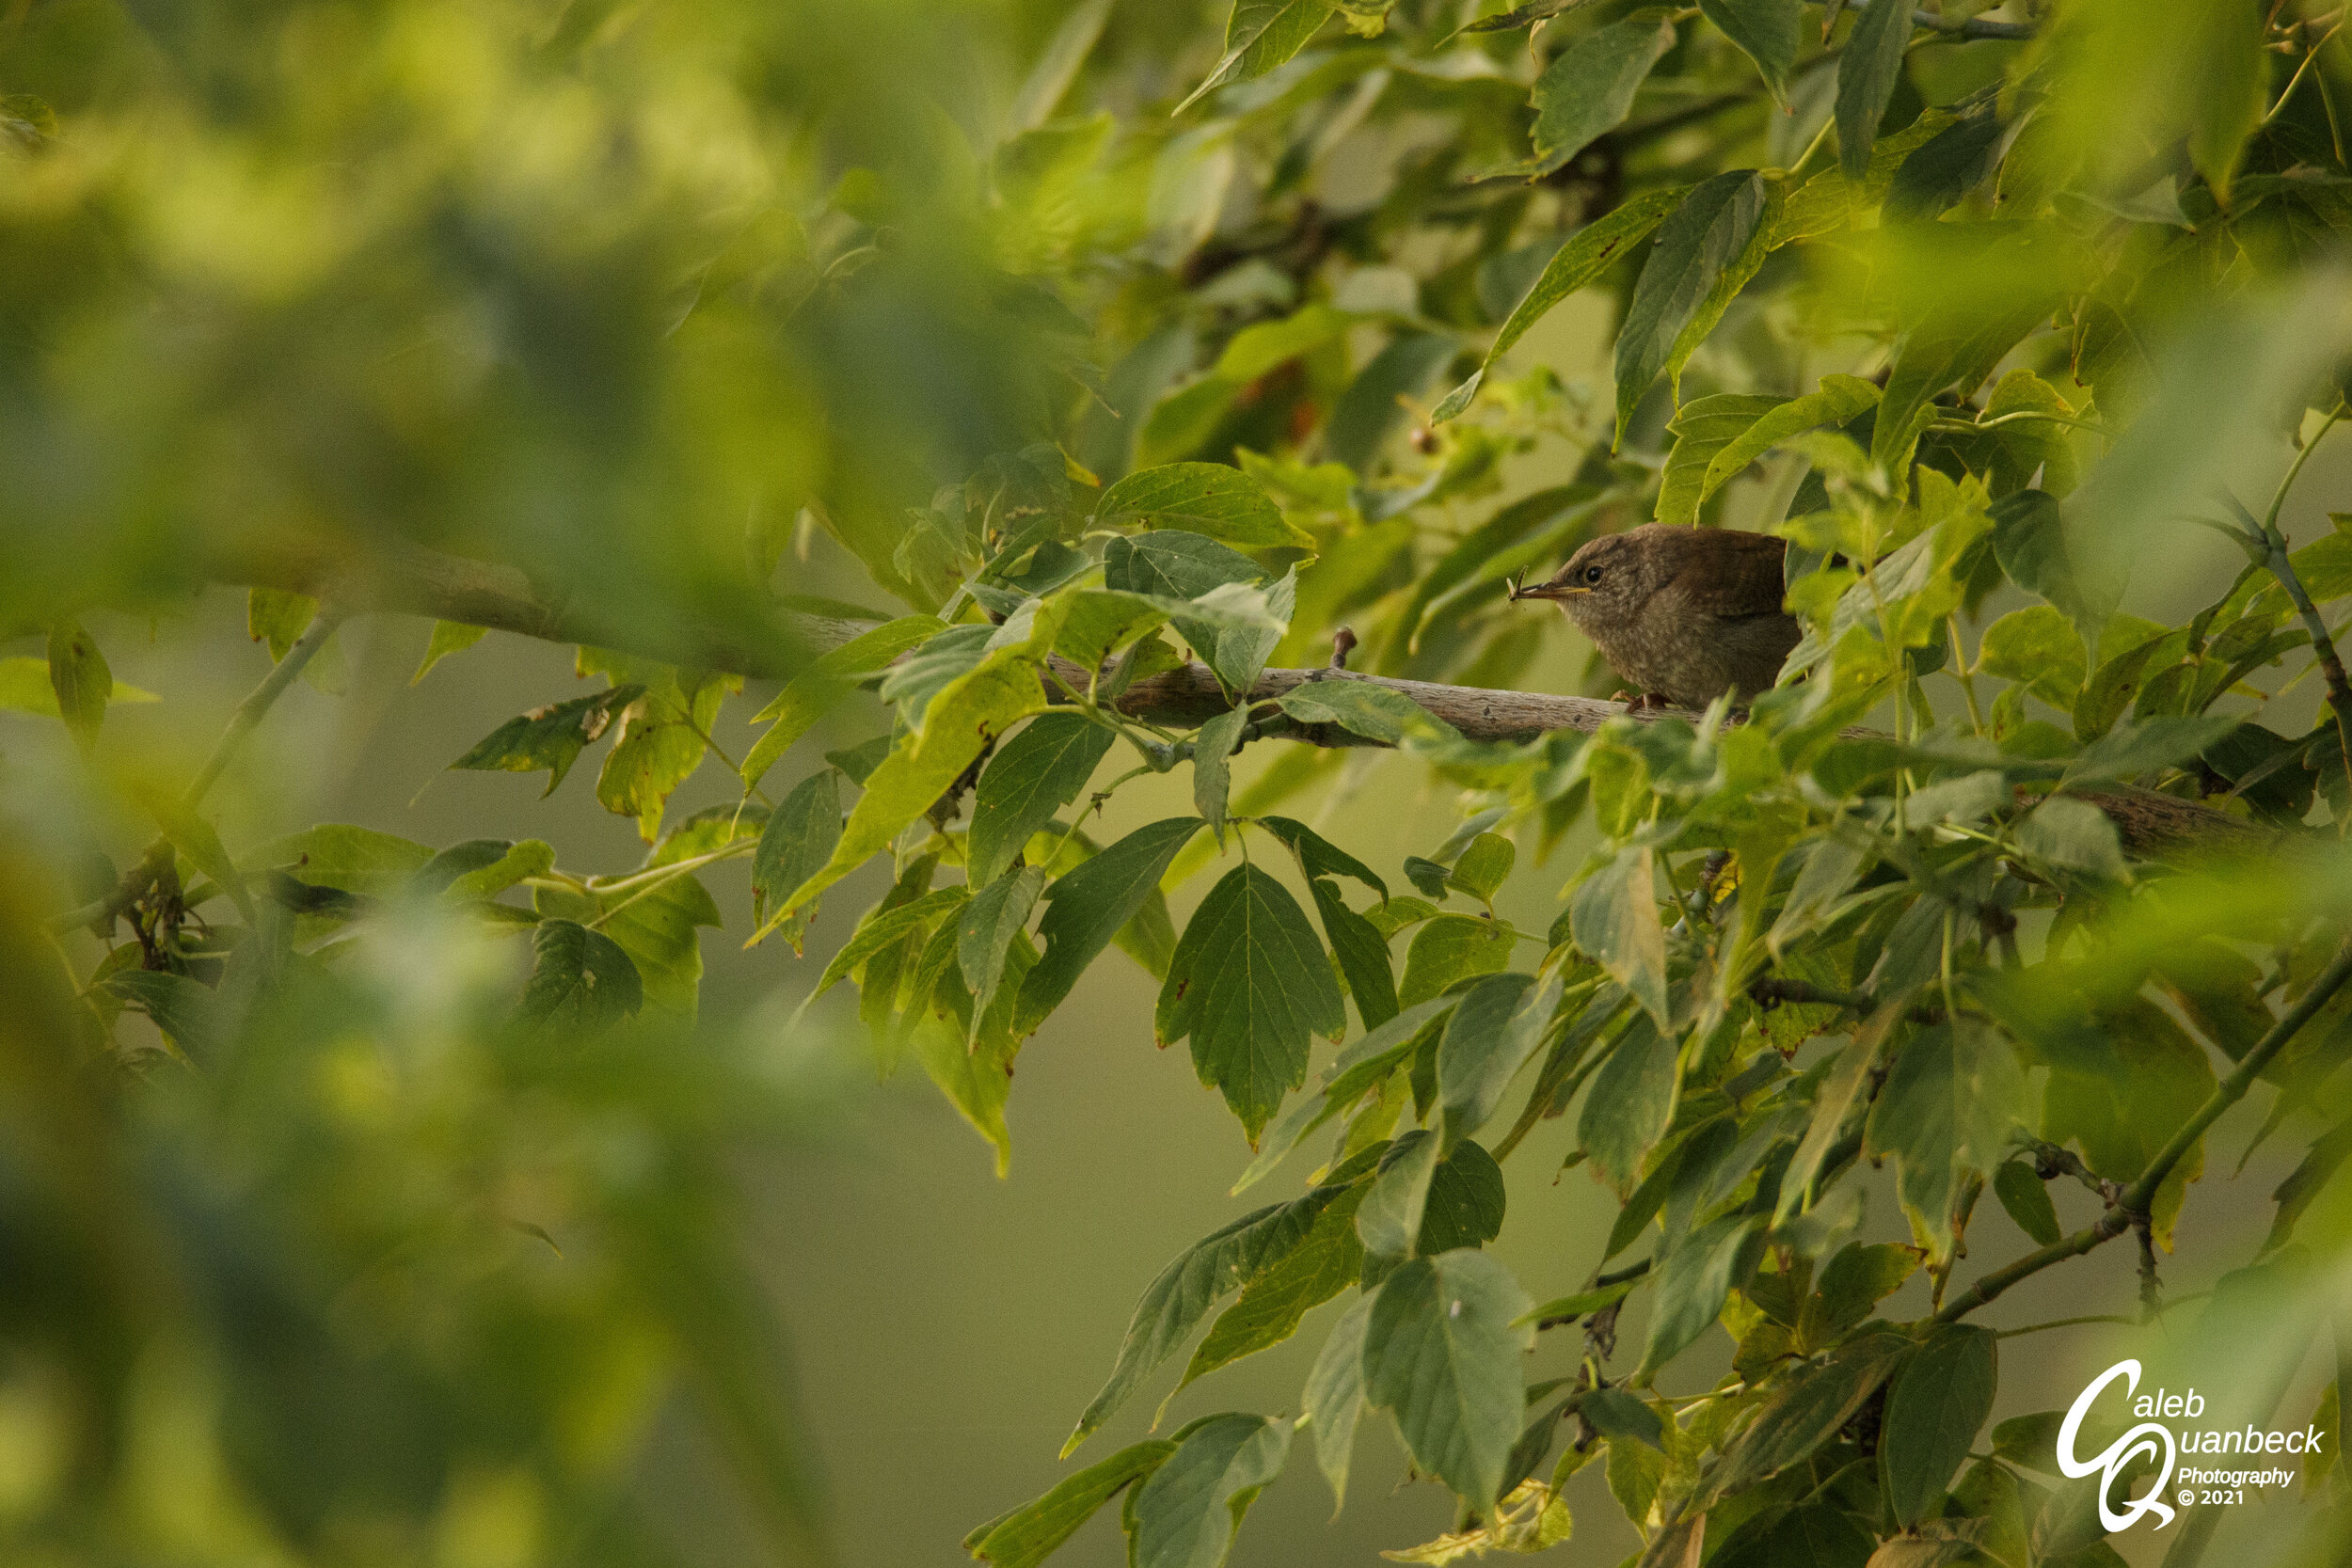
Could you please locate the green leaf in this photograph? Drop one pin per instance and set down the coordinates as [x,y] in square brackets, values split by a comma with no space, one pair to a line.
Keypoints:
[1495,1029]
[24,685]
[1213,766]
[1441,1355]
[1581,1303]
[1379,713]
[1588,90]
[1840,401]
[1207,499]
[1945,351]
[886,928]
[484,876]
[1187,1513]
[986,928]
[2029,541]
[1257,349]
[1034,1531]
[1450,948]
[1615,914]
[1182,1294]
[1236,628]
[1333,1398]
[1946,167]
[354,860]
[1804,1414]
[1695,248]
[1248,984]
[1951,1099]
[1483,867]
[2038,648]
[1619,1415]
[823,684]
[1089,905]
[80,680]
[1033,775]
[967,1050]
[199,841]
[1934,1411]
[1589,252]
[274,616]
[2305,1182]
[1362,955]
[1098,622]
[1766,32]
[581,980]
[653,921]
[2114,681]
[1695,1280]
[1174,565]
[2165,742]
[1867,74]
[2026,1199]
[1703,428]
[1272,1305]
[1631,1102]
[1359,1067]
[186,1011]
[448,637]
[549,738]
[797,843]
[2074,836]
[1465,1204]
[1855,1281]
[1388,1221]
[2229,76]
[1318,856]
[658,747]
[966,716]
[1261,34]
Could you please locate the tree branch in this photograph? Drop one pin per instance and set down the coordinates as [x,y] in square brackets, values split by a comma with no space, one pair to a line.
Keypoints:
[410,580]
[2134,1202]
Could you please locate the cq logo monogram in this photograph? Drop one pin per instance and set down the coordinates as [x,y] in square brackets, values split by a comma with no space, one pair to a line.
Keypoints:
[2146,1438]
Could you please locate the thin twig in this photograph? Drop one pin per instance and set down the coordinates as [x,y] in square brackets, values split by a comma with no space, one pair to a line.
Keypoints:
[140,878]
[249,712]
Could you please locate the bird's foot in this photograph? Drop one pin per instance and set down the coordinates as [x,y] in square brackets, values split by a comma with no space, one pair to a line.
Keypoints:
[1647,702]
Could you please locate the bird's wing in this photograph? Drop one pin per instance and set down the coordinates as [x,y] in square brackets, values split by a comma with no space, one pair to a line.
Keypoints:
[1732,574]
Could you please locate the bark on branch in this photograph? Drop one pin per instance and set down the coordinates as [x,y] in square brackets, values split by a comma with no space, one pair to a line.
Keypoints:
[412,581]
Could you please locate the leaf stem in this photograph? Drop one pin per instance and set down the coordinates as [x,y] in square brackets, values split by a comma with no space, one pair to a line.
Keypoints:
[661,875]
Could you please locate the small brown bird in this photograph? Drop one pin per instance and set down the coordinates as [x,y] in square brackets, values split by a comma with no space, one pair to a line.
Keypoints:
[1685,613]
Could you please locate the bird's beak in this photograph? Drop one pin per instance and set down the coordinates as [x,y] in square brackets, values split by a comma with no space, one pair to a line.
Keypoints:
[1548,590]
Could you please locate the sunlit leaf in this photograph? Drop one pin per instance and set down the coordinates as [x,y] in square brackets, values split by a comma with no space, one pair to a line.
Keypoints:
[549,738]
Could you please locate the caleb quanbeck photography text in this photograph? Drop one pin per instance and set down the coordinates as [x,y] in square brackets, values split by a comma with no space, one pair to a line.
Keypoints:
[2251,1439]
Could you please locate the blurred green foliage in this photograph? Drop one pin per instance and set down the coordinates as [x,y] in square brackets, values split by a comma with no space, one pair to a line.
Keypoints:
[1140,363]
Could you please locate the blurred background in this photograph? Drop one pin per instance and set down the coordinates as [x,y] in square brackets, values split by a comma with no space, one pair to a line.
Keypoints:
[553,282]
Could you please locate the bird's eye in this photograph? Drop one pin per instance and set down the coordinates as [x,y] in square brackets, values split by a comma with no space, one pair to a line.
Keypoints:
[1592,573]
